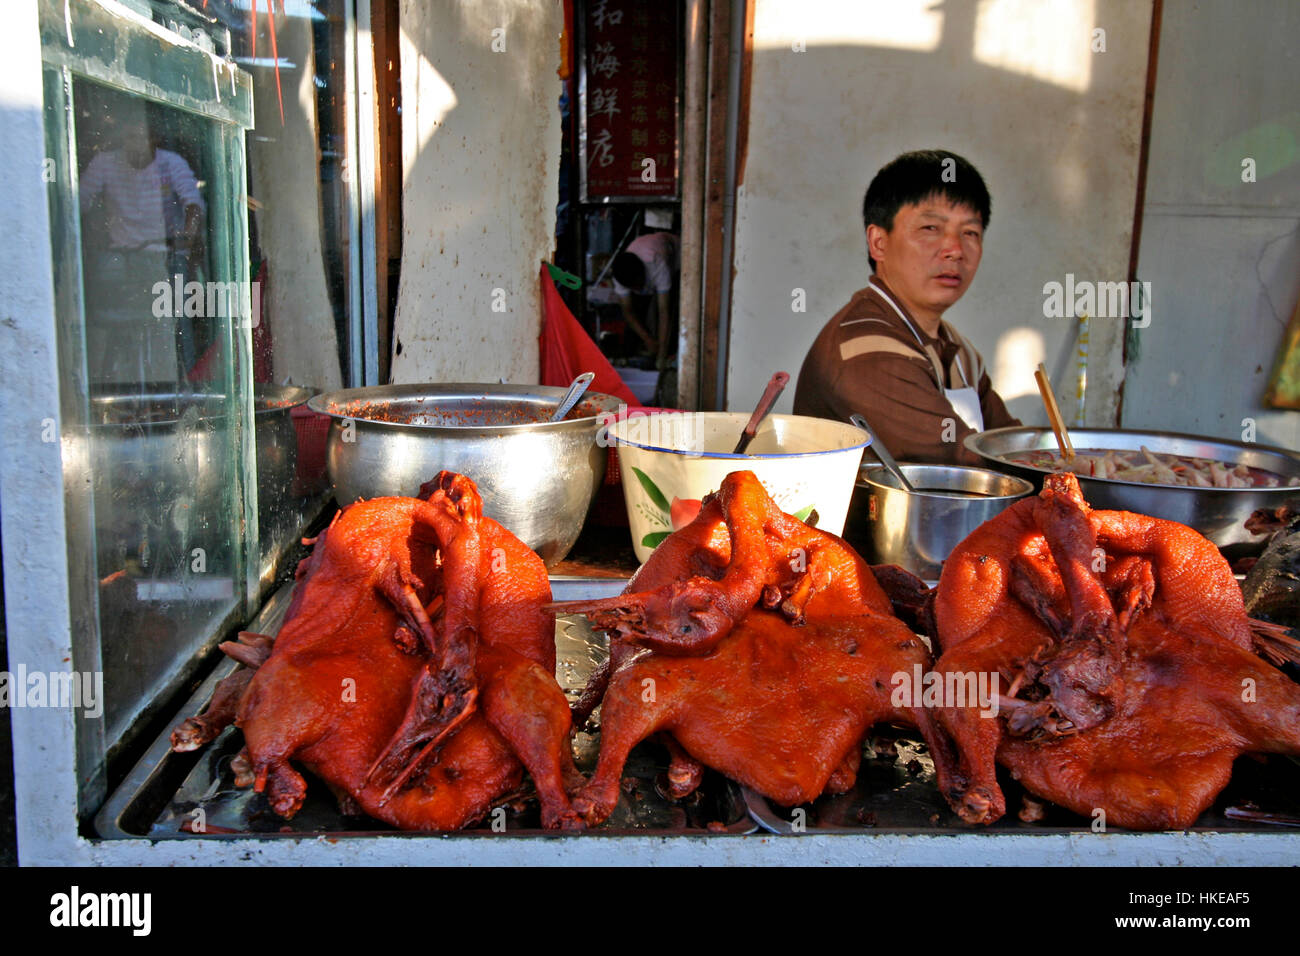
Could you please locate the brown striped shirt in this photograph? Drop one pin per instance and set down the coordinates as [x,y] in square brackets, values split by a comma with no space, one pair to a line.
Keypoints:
[867,360]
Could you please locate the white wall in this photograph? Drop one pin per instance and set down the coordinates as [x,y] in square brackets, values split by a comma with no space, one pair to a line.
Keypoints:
[481,151]
[305,344]
[1013,86]
[1222,255]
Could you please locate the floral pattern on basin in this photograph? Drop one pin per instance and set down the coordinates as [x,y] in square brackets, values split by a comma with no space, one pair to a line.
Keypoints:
[682,511]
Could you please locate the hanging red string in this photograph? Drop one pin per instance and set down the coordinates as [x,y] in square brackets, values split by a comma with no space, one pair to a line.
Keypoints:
[275,54]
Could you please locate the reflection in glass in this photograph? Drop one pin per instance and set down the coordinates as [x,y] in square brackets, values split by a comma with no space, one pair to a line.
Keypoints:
[299,224]
[162,433]
[166,205]
[142,215]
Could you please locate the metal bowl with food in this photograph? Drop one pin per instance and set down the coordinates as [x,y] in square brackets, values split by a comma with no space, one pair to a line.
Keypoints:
[537,477]
[1217,513]
[918,531]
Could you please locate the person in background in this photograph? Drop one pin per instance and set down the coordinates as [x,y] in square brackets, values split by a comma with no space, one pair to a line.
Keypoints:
[645,278]
[152,215]
[889,355]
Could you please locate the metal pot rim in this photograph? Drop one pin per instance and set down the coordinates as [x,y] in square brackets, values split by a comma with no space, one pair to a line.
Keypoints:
[866,479]
[741,417]
[291,395]
[975,443]
[329,403]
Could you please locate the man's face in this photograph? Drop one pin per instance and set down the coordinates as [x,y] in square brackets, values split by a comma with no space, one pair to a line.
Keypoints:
[930,255]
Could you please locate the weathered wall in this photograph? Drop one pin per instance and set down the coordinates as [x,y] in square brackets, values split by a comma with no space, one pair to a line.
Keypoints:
[1016,88]
[1222,255]
[306,348]
[481,145]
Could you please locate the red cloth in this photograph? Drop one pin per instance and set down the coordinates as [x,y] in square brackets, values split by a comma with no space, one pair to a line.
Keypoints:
[568,351]
[262,330]
[206,367]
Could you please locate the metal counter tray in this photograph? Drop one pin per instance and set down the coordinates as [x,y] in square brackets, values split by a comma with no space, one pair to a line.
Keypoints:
[895,791]
[192,795]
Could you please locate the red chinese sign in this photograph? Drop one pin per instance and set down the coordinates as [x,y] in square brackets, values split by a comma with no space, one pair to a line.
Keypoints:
[629,103]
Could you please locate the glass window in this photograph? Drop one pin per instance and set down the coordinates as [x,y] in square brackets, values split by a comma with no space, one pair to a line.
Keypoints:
[204,230]
[300,228]
[163,430]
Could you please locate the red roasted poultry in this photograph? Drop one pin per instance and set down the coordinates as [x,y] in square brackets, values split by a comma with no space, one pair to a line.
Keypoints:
[1126,657]
[414,672]
[756,645]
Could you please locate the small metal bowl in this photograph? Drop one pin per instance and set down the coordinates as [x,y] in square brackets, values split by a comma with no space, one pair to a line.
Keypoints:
[537,478]
[918,532]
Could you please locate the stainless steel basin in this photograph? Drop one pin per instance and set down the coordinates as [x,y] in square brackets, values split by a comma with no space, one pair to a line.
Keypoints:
[1217,513]
[162,464]
[537,478]
[918,531]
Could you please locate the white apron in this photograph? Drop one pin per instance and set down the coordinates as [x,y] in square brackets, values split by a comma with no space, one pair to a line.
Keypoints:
[965,401]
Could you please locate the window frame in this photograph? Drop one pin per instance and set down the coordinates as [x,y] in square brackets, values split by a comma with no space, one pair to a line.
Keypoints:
[117,48]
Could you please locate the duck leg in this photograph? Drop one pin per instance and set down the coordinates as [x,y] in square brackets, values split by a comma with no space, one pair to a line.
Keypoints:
[445,692]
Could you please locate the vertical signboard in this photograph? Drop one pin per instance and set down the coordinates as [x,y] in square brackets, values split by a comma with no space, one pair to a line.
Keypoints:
[629,93]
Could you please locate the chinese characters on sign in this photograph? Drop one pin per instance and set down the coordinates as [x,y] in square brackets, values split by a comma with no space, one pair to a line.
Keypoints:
[630,100]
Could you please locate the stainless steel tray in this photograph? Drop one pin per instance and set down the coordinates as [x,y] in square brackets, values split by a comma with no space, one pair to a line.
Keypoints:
[895,790]
[189,796]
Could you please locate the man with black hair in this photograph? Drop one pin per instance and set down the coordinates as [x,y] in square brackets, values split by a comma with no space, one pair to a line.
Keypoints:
[152,215]
[889,354]
[645,277]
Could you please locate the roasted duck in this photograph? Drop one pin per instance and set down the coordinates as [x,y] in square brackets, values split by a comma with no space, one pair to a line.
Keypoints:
[753,644]
[1128,663]
[414,672]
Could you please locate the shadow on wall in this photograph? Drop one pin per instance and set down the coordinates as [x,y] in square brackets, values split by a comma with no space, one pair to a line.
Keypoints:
[1221,226]
[303,318]
[1048,109]
[481,144]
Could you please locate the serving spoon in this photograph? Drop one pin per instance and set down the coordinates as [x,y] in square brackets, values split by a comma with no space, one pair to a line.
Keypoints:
[776,384]
[883,454]
[576,389]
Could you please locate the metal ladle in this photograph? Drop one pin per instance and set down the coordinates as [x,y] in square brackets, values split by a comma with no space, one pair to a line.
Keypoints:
[576,389]
[883,454]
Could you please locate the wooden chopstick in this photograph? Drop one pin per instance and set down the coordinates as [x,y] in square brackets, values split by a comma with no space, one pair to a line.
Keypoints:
[1054,413]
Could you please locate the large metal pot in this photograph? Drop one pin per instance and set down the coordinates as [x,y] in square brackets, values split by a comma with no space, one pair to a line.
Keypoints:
[1217,513]
[162,466]
[918,531]
[537,478]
